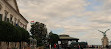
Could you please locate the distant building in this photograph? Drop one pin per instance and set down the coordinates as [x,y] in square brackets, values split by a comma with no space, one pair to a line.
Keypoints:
[9,12]
[64,40]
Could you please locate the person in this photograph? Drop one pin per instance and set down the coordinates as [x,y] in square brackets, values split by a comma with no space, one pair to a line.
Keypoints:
[54,45]
[47,45]
[78,46]
[81,47]
[60,47]
[50,46]
[107,46]
[8,48]
[28,47]
[57,46]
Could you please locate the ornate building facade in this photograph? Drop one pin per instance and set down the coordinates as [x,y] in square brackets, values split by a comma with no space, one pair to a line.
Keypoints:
[9,12]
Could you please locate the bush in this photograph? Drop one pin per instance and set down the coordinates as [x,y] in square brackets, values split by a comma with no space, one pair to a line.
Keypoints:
[24,34]
[10,33]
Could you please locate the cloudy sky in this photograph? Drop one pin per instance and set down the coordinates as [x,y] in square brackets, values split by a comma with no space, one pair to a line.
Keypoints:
[78,18]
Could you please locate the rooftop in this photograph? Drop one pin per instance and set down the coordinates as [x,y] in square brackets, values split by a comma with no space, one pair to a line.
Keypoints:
[67,37]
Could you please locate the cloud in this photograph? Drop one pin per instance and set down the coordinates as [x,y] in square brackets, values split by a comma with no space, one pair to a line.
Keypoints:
[48,11]
[77,18]
[107,5]
[52,8]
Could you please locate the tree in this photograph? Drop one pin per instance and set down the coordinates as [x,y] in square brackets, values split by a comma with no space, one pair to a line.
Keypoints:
[53,38]
[39,31]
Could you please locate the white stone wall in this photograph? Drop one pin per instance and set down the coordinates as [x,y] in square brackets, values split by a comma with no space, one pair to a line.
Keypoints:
[11,11]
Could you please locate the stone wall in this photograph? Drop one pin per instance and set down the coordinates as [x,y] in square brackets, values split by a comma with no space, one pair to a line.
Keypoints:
[10,45]
[3,45]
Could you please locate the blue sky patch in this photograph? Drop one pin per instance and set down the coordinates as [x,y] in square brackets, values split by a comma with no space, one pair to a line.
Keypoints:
[93,4]
[58,30]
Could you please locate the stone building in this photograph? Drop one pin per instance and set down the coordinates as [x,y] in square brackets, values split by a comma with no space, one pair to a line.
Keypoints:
[9,12]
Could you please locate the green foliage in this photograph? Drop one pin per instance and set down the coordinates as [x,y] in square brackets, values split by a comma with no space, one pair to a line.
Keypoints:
[10,33]
[7,31]
[39,31]
[24,35]
[53,38]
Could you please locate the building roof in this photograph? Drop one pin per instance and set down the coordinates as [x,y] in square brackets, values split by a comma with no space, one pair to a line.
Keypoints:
[67,37]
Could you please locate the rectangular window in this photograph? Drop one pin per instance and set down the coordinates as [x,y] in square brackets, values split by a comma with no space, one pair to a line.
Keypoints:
[11,17]
[15,21]
[6,13]
[7,19]
[18,22]
[0,17]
